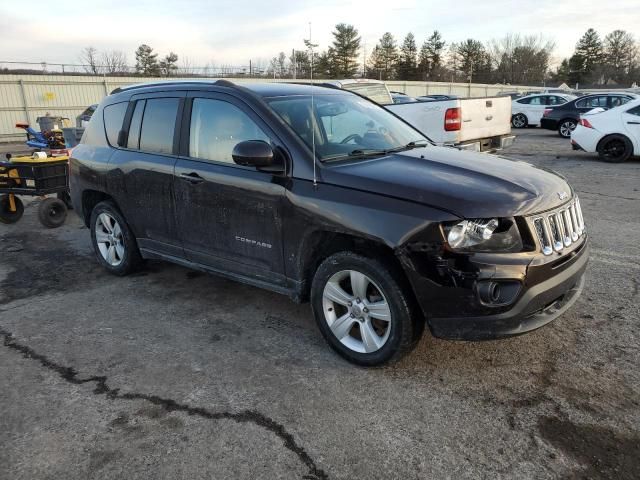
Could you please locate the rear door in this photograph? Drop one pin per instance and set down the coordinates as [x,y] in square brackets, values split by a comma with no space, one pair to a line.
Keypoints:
[536,108]
[631,121]
[229,216]
[141,177]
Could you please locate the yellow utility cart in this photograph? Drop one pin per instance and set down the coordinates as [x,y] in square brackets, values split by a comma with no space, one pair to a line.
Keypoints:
[38,175]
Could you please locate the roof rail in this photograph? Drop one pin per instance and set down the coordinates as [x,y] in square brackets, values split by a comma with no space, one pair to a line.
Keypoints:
[220,83]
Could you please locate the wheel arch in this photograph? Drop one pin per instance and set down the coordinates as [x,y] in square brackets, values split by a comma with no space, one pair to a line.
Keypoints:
[90,198]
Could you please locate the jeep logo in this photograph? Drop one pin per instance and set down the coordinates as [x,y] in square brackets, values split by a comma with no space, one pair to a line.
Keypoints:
[563,195]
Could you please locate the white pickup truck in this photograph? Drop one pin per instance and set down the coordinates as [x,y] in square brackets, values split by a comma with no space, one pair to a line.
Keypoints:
[480,124]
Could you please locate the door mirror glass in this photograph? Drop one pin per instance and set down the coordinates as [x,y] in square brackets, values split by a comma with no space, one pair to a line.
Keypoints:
[253,153]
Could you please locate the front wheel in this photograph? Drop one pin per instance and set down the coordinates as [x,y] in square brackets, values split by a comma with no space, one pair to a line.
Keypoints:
[566,127]
[114,244]
[363,311]
[615,149]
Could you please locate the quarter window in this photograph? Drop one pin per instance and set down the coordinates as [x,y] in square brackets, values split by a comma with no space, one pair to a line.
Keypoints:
[635,111]
[524,101]
[158,125]
[218,126]
[113,117]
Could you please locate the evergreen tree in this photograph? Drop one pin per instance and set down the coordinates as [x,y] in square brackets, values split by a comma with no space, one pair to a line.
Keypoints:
[474,61]
[430,58]
[588,55]
[146,61]
[407,60]
[385,57]
[168,65]
[346,45]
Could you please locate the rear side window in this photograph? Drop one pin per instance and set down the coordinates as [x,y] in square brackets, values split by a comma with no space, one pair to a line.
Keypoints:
[158,125]
[593,102]
[113,117]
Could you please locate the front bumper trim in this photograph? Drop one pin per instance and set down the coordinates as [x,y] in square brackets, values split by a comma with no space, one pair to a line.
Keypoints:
[550,299]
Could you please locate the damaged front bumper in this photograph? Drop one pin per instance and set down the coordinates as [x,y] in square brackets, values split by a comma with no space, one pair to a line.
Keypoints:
[535,291]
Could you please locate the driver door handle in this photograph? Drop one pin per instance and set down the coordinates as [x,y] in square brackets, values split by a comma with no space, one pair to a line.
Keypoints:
[192,178]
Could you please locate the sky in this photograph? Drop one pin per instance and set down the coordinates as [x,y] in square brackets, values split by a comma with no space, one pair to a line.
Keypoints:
[232,32]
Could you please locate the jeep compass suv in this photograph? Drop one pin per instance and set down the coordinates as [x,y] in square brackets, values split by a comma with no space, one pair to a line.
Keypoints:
[322,195]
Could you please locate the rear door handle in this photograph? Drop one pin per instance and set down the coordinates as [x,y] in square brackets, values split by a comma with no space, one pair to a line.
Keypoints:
[192,178]
[633,123]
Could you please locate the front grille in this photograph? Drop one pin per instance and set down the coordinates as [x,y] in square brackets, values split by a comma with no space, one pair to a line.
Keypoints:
[559,228]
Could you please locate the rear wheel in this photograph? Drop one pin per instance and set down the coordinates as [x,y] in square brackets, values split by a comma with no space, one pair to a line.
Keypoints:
[519,120]
[615,149]
[52,212]
[114,244]
[363,311]
[566,127]
[9,214]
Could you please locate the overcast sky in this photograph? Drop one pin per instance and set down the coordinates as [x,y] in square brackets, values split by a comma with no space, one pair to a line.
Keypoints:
[234,31]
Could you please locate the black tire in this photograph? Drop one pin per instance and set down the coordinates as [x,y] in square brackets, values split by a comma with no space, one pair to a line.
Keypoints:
[615,149]
[519,120]
[6,215]
[66,198]
[130,260]
[566,126]
[52,212]
[405,326]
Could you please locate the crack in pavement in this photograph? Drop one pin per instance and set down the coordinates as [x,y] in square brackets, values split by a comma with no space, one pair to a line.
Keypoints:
[608,196]
[70,375]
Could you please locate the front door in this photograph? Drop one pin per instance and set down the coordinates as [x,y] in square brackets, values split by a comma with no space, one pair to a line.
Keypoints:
[229,216]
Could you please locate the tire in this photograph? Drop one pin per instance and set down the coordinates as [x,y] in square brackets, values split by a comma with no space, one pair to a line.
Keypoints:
[615,149]
[6,215]
[113,242]
[566,126]
[66,198]
[52,212]
[355,323]
[519,120]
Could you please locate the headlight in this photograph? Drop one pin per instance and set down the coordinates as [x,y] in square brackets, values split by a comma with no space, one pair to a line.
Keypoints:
[484,234]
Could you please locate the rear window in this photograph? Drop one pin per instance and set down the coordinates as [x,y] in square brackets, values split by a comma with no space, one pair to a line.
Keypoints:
[113,117]
[158,125]
[375,91]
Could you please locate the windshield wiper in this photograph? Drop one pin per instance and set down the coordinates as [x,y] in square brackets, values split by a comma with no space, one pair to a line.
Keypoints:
[371,152]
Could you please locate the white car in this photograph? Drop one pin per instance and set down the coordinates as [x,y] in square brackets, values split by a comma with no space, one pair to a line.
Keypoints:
[527,111]
[614,134]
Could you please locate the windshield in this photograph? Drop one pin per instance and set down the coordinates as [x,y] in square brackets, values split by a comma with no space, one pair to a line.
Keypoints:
[345,126]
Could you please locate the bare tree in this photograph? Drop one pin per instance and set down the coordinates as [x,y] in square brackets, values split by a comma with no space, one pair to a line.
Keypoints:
[89,59]
[521,59]
[114,61]
[186,66]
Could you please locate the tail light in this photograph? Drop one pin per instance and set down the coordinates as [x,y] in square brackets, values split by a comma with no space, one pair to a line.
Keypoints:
[452,120]
[585,123]
[547,111]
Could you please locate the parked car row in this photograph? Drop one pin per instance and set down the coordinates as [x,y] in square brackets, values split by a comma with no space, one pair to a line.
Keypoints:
[613,134]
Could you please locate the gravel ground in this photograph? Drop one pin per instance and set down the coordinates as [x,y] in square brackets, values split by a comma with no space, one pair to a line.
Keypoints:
[174,374]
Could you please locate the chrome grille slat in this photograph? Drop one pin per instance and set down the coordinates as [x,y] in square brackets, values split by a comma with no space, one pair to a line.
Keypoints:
[560,228]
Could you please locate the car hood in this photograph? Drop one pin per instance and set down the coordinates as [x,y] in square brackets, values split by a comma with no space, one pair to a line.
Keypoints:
[467,184]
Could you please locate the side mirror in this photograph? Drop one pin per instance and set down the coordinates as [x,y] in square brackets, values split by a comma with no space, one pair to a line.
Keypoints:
[253,153]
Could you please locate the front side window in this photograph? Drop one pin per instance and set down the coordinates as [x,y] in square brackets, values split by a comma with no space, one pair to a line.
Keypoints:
[217,127]
[158,125]
[343,126]
[616,101]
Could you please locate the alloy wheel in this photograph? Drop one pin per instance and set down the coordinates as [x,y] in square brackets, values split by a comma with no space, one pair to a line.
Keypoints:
[356,311]
[614,149]
[109,239]
[519,121]
[566,128]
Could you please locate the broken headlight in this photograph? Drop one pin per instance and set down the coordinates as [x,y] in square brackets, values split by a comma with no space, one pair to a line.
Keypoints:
[483,235]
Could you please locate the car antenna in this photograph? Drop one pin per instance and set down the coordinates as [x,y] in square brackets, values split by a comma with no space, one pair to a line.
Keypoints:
[310,46]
